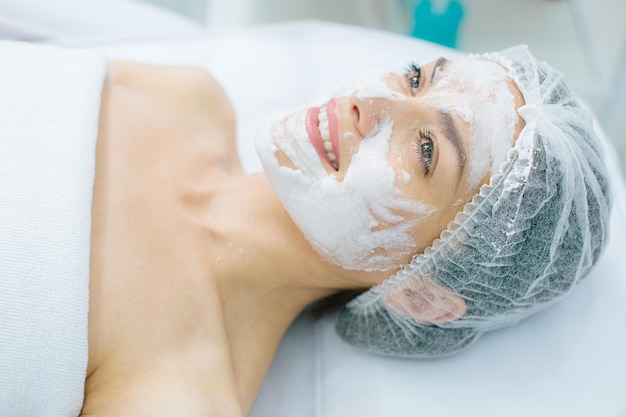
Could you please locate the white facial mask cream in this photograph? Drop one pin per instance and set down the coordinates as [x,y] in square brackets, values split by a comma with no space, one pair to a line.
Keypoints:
[358,223]
[365,222]
[478,93]
[369,85]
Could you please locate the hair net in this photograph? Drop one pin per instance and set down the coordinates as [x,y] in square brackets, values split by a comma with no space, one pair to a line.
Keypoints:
[521,243]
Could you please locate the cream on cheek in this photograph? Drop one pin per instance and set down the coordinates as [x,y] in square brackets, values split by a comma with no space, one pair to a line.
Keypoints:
[363,222]
[477,91]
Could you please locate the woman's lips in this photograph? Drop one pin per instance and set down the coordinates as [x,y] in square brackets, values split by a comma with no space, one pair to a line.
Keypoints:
[322,128]
[333,127]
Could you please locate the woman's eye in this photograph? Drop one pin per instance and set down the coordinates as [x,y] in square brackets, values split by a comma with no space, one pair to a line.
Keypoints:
[425,147]
[413,75]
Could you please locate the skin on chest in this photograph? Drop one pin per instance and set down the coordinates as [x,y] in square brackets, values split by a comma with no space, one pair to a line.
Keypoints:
[148,287]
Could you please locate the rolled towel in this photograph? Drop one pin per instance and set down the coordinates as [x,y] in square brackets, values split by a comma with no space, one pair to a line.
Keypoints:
[49,111]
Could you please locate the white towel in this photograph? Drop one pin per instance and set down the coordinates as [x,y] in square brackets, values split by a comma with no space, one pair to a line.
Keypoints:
[49,111]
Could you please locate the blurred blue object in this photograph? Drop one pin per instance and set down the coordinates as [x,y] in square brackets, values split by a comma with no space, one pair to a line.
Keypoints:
[441,27]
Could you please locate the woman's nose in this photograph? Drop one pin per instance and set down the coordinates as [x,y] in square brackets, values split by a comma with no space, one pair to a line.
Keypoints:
[369,112]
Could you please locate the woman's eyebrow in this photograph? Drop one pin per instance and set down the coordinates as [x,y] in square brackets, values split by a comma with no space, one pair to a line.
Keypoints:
[438,66]
[448,127]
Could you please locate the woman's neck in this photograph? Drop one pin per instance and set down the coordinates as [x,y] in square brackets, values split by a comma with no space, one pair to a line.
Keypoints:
[263,268]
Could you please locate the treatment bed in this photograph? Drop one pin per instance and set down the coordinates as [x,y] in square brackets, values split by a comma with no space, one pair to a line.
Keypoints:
[566,361]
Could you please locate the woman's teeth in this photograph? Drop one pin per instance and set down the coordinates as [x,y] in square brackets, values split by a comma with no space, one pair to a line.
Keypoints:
[325,133]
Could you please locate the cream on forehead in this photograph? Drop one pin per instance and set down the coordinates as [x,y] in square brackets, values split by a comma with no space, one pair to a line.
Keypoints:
[358,223]
[477,91]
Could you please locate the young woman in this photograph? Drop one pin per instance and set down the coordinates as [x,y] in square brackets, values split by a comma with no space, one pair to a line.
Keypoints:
[197,270]
[459,196]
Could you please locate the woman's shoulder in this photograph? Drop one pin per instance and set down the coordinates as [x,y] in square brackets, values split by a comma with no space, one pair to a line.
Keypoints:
[169,108]
[171,79]
[191,88]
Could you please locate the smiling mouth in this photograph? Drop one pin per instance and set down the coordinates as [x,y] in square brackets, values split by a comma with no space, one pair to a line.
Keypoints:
[322,118]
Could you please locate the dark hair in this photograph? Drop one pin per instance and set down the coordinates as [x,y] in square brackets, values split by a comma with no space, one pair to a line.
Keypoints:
[332,303]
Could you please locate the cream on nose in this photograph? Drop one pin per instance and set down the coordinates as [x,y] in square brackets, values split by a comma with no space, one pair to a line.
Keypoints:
[371,97]
[367,113]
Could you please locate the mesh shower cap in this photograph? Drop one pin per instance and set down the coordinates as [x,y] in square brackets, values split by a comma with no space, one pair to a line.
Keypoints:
[523,241]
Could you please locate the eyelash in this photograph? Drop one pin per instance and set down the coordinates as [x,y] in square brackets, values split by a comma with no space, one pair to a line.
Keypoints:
[413,75]
[425,145]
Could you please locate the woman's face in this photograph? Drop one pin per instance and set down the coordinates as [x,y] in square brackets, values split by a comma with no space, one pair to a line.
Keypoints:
[374,174]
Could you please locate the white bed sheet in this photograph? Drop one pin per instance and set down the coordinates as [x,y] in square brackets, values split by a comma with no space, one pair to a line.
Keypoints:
[567,361]
[70,19]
